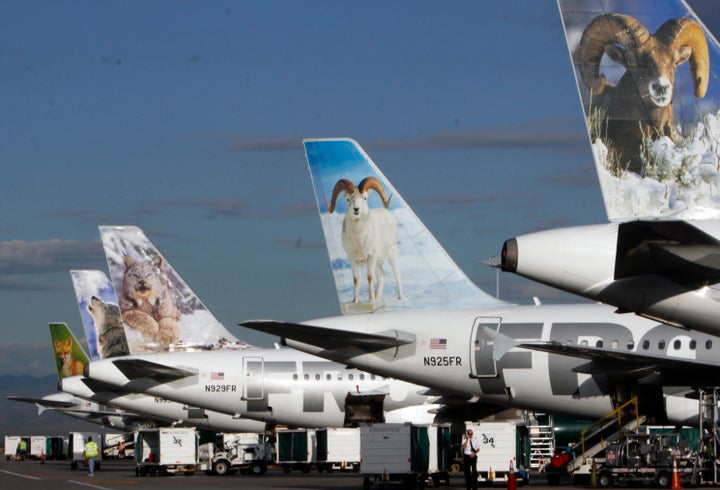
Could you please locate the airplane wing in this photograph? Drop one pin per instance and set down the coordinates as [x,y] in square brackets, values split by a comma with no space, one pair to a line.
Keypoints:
[330,339]
[55,404]
[135,369]
[628,364]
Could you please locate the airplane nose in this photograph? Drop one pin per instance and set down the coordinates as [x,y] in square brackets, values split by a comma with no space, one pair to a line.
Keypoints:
[509,256]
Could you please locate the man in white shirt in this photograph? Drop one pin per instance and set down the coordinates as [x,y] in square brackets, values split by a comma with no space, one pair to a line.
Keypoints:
[470,448]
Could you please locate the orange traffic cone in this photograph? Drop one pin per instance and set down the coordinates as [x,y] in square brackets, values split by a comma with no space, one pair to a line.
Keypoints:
[511,481]
[675,482]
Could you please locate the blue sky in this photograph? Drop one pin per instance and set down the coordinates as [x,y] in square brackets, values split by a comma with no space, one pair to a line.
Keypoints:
[186,118]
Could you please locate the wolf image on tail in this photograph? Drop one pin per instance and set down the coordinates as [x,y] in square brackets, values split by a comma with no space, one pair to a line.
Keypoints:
[109,327]
[70,366]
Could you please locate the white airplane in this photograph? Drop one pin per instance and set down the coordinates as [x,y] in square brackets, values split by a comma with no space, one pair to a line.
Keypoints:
[71,358]
[654,128]
[210,369]
[106,339]
[464,350]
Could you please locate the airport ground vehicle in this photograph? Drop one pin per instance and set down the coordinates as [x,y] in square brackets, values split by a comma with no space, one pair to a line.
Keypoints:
[577,460]
[405,454]
[38,447]
[646,459]
[166,451]
[338,449]
[501,444]
[295,449]
[247,453]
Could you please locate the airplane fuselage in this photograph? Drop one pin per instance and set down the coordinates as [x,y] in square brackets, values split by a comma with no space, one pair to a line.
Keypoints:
[162,410]
[591,261]
[452,354]
[273,385]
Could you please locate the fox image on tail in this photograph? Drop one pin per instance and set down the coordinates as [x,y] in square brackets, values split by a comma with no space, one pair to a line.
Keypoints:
[69,365]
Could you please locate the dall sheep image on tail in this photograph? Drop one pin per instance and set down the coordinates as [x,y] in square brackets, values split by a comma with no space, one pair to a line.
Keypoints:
[369,235]
[640,106]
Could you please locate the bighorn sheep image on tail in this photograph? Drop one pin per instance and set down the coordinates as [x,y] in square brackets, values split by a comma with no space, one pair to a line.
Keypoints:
[640,105]
[369,236]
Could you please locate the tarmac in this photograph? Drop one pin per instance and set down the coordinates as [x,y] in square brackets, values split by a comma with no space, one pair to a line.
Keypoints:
[120,474]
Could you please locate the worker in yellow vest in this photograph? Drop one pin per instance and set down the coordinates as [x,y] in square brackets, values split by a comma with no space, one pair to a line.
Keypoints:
[90,454]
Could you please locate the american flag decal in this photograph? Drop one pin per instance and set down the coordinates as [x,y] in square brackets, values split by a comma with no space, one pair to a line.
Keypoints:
[438,343]
[217,375]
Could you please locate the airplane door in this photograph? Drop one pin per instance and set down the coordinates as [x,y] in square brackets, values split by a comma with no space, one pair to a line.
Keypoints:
[482,363]
[253,370]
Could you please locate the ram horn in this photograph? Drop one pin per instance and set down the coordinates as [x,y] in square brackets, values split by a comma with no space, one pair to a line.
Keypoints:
[603,30]
[373,183]
[677,33]
[342,185]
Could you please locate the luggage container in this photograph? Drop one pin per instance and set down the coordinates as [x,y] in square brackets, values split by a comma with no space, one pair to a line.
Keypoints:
[166,451]
[295,449]
[338,449]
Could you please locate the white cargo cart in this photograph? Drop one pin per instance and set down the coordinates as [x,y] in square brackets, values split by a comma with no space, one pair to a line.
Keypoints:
[166,451]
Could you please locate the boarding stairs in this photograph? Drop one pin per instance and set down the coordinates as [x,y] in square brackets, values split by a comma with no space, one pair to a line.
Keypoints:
[611,428]
[542,443]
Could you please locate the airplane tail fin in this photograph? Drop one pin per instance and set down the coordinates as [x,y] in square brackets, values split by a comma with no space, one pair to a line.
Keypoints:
[100,314]
[159,309]
[70,357]
[654,128]
[387,241]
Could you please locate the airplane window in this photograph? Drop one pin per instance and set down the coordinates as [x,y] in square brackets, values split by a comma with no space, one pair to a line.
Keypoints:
[614,344]
[295,377]
[372,376]
[339,376]
[708,344]
[328,377]
[661,344]
[350,377]
[362,377]
[584,343]
[630,344]
[693,344]
[317,377]
[307,377]
[677,344]
[646,344]
[599,343]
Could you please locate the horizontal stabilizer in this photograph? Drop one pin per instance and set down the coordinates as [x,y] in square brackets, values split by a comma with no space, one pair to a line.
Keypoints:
[331,339]
[501,343]
[139,368]
[676,250]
